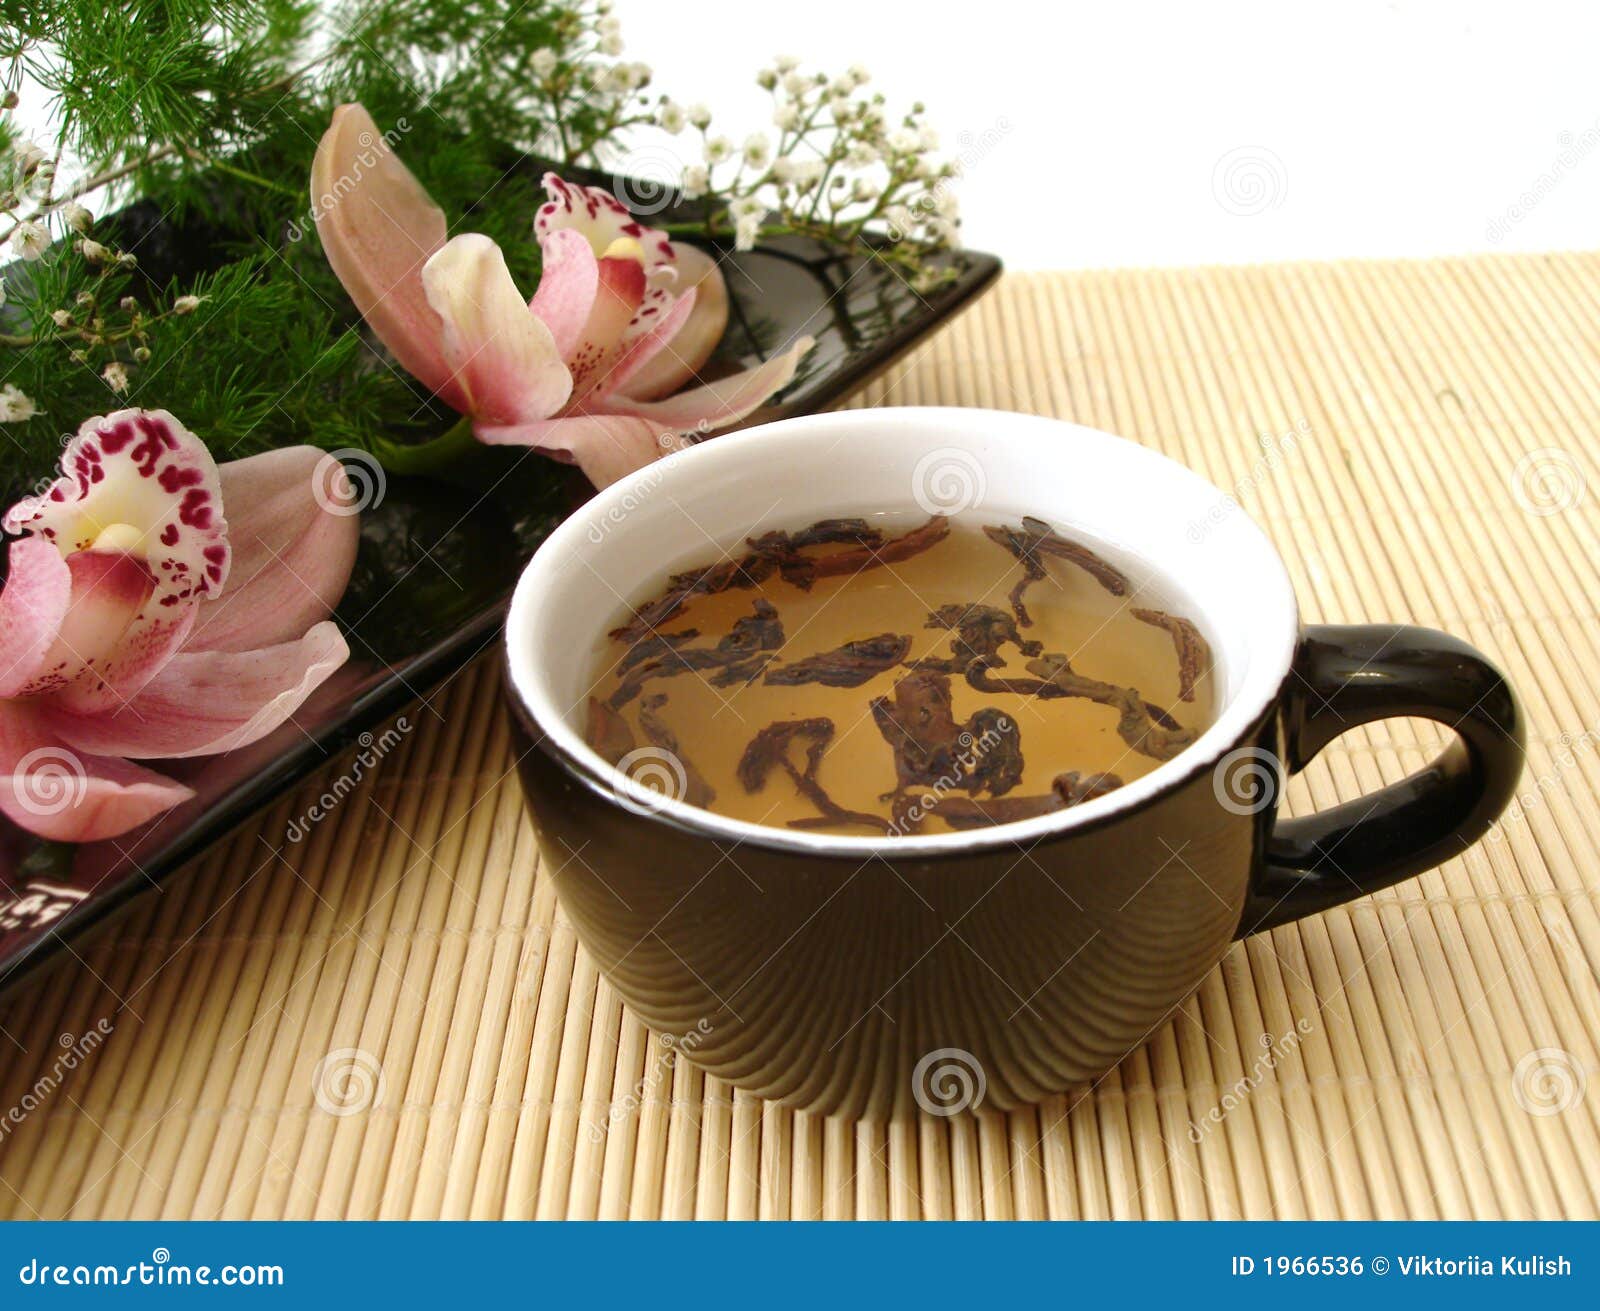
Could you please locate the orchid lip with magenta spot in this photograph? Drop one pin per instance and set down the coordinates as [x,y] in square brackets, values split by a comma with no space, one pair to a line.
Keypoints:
[156,606]
[581,369]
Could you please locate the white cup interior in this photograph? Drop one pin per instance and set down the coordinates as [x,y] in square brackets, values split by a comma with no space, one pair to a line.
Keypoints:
[1157,519]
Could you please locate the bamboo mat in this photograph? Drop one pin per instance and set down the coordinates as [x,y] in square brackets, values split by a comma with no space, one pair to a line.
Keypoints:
[392,1018]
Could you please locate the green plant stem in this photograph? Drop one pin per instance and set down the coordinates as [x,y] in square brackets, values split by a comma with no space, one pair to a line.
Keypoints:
[441,454]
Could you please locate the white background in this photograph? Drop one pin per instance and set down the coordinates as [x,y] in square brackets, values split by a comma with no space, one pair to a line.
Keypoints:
[1227,131]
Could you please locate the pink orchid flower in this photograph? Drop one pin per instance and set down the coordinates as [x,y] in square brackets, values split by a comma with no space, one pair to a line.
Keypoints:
[137,623]
[620,317]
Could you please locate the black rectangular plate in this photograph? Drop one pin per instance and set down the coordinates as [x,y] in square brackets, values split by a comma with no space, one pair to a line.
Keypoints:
[436,569]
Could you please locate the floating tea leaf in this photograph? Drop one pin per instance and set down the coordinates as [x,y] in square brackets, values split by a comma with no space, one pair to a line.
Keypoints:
[696,791]
[1193,653]
[897,673]
[770,749]
[849,665]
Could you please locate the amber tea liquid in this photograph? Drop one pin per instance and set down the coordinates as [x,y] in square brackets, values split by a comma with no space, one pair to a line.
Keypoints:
[885,677]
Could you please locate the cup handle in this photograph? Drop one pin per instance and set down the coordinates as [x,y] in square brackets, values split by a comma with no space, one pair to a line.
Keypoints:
[1345,675]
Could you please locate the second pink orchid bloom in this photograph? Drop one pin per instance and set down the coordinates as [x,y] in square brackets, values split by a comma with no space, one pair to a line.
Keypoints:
[157,606]
[577,371]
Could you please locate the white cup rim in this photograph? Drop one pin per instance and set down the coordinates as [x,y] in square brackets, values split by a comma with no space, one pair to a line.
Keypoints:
[1248,613]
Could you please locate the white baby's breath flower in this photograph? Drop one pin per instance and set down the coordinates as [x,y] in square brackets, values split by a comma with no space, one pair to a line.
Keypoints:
[863,189]
[757,151]
[611,44]
[858,74]
[29,154]
[766,79]
[696,182]
[786,63]
[746,231]
[544,62]
[77,217]
[61,318]
[783,171]
[861,155]
[796,85]
[928,137]
[900,220]
[116,376]
[92,250]
[743,205]
[903,141]
[186,304]
[30,240]
[786,115]
[15,407]
[609,25]
[699,116]
[671,116]
[718,149]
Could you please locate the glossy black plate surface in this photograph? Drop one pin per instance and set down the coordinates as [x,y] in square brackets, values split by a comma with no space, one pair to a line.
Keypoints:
[436,570]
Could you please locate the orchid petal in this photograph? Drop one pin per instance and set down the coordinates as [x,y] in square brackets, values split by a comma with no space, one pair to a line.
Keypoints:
[602,220]
[37,591]
[50,789]
[656,344]
[622,286]
[138,514]
[378,228]
[294,531]
[659,372]
[714,405]
[567,286]
[504,360]
[605,448]
[206,702]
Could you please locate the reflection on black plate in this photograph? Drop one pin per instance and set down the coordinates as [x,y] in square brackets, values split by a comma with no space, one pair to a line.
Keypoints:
[436,569]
